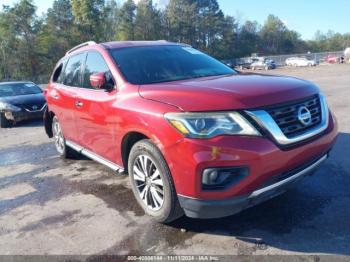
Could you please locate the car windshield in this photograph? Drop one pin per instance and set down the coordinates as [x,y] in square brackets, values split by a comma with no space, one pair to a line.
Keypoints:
[156,64]
[18,89]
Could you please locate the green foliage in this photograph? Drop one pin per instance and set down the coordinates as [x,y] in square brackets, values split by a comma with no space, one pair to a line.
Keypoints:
[88,16]
[126,23]
[148,21]
[329,41]
[30,45]
[19,27]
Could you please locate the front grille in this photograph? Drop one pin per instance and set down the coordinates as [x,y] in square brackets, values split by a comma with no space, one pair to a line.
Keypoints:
[32,107]
[286,116]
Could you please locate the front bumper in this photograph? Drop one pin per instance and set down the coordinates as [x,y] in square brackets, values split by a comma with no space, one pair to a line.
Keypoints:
[220,208]
[23,115]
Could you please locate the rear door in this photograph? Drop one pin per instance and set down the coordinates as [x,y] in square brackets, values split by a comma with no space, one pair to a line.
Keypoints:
[96,116]
[63,95]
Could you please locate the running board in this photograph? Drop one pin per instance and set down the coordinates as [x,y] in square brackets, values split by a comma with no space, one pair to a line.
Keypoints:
[94,156]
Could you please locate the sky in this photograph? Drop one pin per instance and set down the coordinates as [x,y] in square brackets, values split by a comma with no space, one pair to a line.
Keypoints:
[303,16]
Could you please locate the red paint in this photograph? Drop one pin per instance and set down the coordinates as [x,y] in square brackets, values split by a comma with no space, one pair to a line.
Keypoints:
[107,117]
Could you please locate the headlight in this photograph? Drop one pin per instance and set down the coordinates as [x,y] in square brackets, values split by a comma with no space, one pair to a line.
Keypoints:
[8,107]
[207,125]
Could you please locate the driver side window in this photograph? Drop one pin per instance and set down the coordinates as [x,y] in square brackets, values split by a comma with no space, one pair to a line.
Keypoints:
[95,63]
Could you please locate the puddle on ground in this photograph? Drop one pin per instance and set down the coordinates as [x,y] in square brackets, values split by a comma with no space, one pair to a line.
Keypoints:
[116,196]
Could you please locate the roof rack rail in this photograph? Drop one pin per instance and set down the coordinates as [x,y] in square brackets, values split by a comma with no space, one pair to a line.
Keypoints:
[81,45]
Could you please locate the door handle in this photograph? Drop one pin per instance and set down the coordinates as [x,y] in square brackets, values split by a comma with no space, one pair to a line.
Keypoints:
[79,104]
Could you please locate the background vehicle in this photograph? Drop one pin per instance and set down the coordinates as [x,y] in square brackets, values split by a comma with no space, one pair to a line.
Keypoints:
[20,101]
[263,63]
[244,65]
[332,59]
[195,136]
[300,61]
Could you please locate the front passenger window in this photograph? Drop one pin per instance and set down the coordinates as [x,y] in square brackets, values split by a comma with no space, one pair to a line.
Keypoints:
[95,63]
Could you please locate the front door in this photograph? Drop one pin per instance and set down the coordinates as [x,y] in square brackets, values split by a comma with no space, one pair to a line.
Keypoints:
[96,117]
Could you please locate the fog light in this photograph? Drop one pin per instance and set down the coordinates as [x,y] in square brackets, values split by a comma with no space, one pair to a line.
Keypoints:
[222,178]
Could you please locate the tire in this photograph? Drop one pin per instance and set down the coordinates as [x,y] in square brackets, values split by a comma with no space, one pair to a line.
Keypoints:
[151,182]
[63,150]
[4,123]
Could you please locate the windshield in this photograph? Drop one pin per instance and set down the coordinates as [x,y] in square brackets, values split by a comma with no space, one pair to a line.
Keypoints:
[156,64]
[18,89]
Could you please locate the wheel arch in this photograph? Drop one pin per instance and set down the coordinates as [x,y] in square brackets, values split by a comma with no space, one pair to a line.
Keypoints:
[130,139]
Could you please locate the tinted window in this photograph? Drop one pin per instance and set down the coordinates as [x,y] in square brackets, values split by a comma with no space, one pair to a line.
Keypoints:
[72,72]
[155,64]
[95,63]
[18,89]
[58,74]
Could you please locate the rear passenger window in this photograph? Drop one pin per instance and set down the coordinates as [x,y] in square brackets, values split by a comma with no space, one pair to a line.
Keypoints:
[95,63]
[72,72]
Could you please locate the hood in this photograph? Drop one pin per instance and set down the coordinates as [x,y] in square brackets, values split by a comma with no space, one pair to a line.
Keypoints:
[34,99]
[241,91]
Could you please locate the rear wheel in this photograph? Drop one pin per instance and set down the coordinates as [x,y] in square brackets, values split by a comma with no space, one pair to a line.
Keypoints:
[4,123]
[152,183]
[60,142]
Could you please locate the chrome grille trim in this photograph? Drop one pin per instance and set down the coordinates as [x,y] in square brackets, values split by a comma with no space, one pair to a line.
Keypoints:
[286,116]
[265,120]
[38,110]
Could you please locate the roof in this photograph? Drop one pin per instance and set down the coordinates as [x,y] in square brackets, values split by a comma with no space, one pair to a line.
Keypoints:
[121,44]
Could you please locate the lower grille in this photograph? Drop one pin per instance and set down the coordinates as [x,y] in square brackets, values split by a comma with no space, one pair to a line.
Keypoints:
[288,116]
[277,178]
[33,107]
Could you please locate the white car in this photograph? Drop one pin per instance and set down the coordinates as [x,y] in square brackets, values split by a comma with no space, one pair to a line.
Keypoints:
[299,61]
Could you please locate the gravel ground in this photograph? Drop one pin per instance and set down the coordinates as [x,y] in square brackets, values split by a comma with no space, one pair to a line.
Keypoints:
[78,207]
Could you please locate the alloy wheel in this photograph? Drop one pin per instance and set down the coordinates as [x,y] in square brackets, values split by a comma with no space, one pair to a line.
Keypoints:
[58,137]
[149,182]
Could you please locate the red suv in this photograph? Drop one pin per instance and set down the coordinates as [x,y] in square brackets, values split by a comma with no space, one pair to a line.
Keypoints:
[195,136]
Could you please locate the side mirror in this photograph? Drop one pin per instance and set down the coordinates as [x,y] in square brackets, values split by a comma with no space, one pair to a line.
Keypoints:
[98,80]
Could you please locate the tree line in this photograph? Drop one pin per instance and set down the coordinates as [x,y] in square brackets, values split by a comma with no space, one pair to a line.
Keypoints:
[30,45]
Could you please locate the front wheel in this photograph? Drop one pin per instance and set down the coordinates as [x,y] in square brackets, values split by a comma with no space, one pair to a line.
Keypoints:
[152,183]
[60,142]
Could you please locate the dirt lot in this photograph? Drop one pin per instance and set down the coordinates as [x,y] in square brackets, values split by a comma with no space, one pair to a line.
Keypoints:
[78,207]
